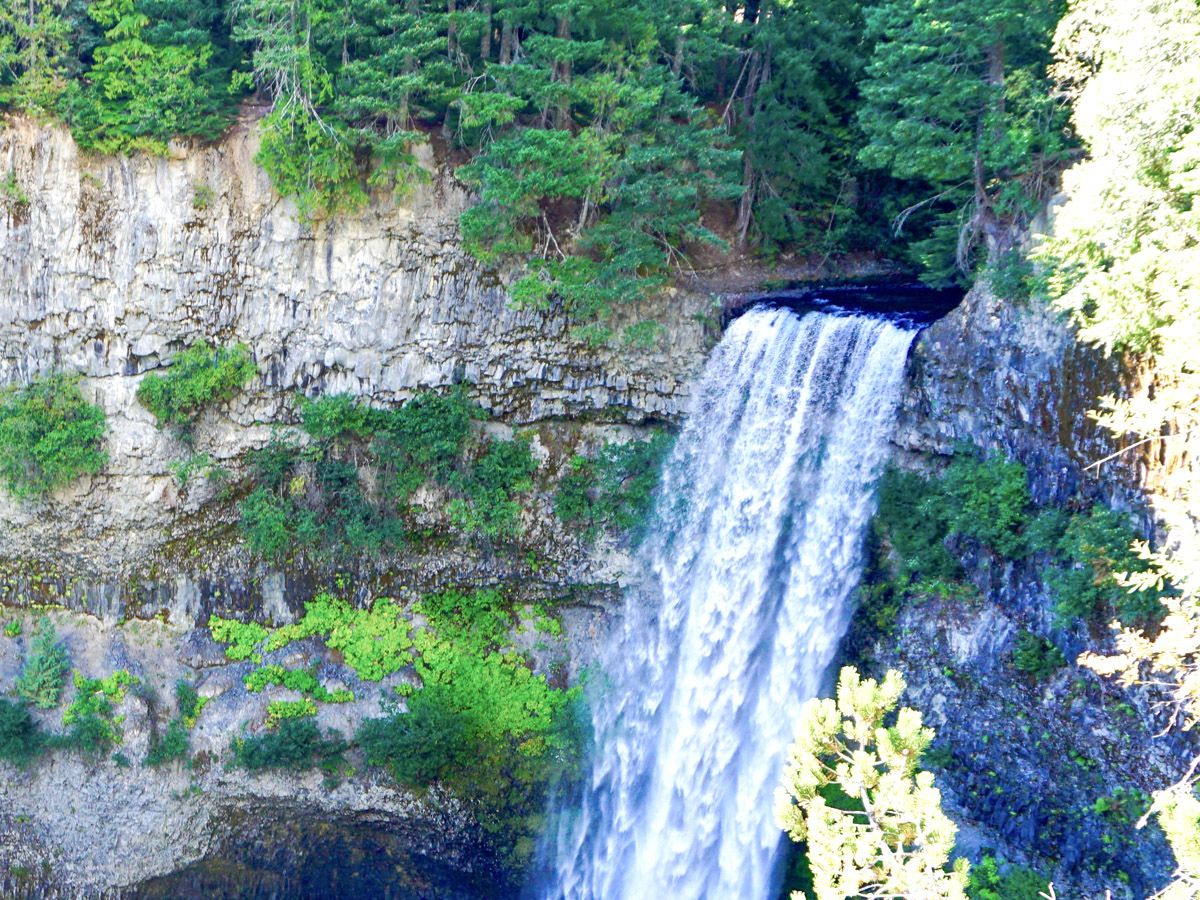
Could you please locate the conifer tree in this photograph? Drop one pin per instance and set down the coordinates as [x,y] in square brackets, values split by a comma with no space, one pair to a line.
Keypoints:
[873,823]
[45,671]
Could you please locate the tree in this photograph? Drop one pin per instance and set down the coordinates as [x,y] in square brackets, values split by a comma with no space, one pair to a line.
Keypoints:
[149,81]
[873,822]
[956,99]
[45,671]
[34,40]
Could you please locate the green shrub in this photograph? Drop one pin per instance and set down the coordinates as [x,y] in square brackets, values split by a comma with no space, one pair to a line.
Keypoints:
[1095,548]
[297,744]
[268,523]
[374,642]
[21,741]
[1036,656]
[430,743]
[283,710]
[301,680]
[171,745]
[189,703]
[912,521]
[988,499]
[243,638]
[91,727]
[13,629]
[198,377]
[49,436]
[1015,883]
[615,489]
[491,486]
[45,671]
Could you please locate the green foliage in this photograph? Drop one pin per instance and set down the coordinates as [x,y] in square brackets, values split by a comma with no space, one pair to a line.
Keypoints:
[301,680]
[956,99]
[1036,656]
[615,489]
[198,377]
[188,702]
[243,638]
[491,486]
[988,500]
[1124,807]
[13,629]
[316,500]
[482,723]
[91,726]
[993,880]
[49,436]
[173,744]
[912,519]
[374,642]
[21,741]
[297,744]
[857,797]
[1094,548]
[150,79]
[283,710]
[45,670]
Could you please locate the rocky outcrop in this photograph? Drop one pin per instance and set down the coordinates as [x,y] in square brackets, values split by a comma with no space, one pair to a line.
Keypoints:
[108,266]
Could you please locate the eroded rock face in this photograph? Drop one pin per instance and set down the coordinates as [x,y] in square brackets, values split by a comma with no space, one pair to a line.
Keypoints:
[115,264]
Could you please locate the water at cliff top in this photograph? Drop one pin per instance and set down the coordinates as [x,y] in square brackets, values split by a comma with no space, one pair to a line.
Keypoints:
[745,593]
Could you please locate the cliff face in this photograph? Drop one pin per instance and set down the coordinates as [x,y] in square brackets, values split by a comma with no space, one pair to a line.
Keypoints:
[1029,769]
[109,266]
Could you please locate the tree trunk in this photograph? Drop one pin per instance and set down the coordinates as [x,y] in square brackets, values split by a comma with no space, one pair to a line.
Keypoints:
[562,112]
[451,31]
[506,43]
[485,42]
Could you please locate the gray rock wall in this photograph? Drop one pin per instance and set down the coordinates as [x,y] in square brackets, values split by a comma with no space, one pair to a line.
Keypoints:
[114,264]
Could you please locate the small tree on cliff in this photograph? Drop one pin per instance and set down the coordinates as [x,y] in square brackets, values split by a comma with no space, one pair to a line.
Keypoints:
[873,823]
[45,670]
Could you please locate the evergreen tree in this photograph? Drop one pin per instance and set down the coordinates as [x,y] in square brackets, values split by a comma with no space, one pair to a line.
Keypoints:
[34,40]
[139,93]
[45,671]
[873,823]
[955,98]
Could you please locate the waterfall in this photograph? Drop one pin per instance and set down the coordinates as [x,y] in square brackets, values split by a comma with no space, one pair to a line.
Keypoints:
[744,595]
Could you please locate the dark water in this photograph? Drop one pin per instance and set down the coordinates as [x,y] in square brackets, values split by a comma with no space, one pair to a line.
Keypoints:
[283,855]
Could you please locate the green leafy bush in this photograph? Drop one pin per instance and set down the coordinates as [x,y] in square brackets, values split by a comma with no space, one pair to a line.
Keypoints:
[988,499]
[171,745]
[615,489]
[1036,656]
[912,520]
[243,638]
[45,670]
[49,436]
[91,727]
[491,486]
[297,744]
[198,377]
[988,882]
[189,702]
[316,499]
[12,629]
[21,741]
[1095,548]
[301,680]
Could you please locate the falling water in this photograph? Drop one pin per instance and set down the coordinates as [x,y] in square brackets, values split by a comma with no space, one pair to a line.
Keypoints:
[746,592]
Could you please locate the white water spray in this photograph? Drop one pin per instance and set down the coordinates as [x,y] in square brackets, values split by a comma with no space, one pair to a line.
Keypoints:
[754,553]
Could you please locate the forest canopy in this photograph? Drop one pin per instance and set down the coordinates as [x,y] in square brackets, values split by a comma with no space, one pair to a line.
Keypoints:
[607,141]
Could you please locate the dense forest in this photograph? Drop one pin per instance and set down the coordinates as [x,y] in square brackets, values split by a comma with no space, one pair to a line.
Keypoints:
[607,142]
